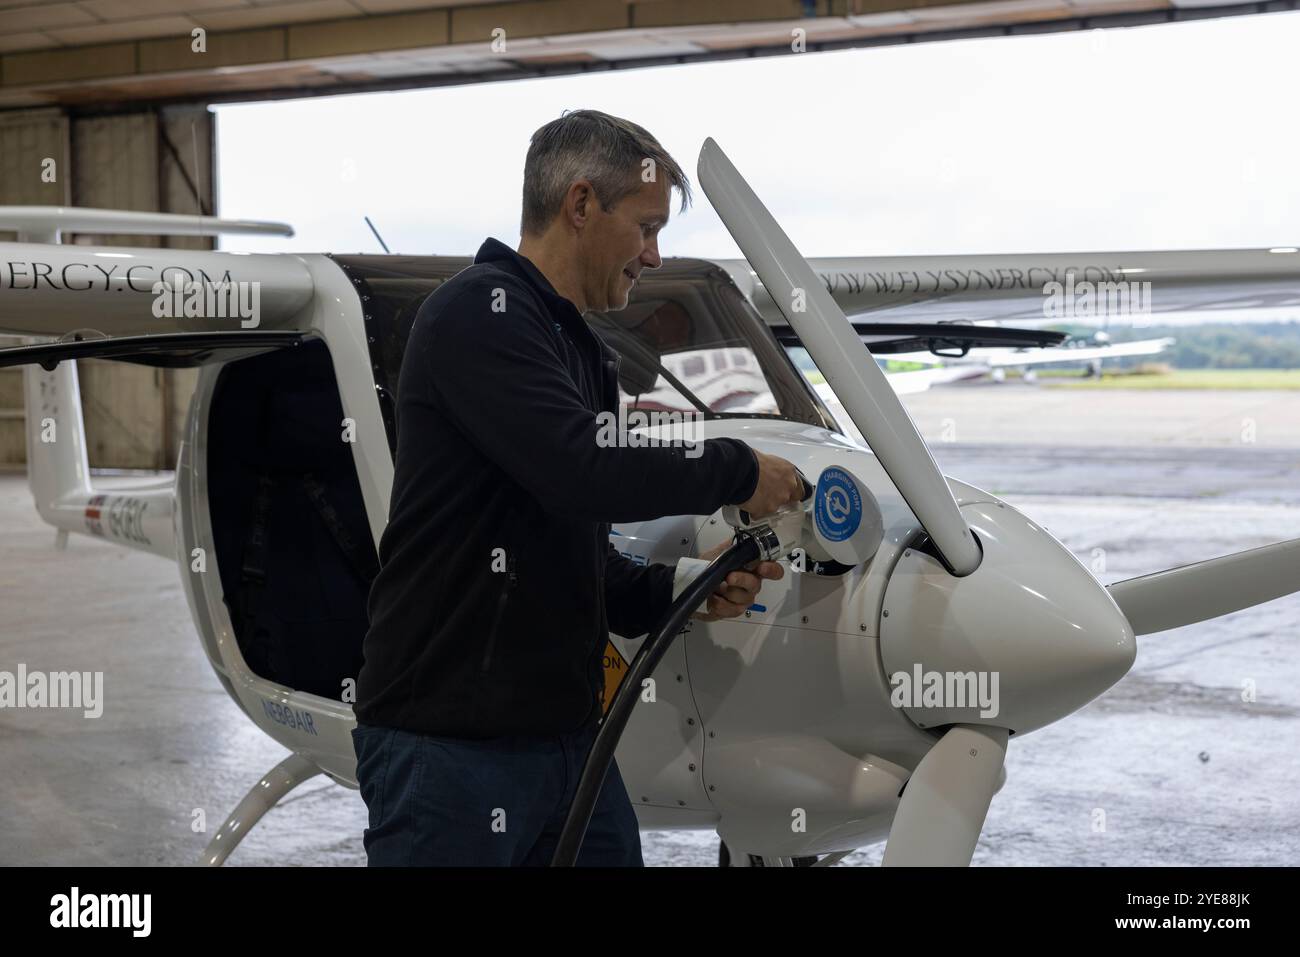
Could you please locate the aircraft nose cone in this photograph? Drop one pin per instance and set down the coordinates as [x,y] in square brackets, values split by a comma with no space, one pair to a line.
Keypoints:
[1031,631]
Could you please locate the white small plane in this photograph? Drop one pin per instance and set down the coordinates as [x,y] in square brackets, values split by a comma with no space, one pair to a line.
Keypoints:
[730,379]
[282,483]
[993,362]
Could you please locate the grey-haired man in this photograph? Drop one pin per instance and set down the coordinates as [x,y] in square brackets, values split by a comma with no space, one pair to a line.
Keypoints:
[480,693]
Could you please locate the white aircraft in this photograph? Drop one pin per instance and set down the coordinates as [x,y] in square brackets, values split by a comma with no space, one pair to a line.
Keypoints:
[281,490]
[730,379]
[993,362]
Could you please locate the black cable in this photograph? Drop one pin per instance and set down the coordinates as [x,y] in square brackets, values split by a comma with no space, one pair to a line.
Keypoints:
[652,650]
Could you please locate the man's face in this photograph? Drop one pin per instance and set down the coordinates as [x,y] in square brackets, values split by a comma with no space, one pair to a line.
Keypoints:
[618,244]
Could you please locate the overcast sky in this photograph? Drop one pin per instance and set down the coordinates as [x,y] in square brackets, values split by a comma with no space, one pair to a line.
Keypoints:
[1176,136]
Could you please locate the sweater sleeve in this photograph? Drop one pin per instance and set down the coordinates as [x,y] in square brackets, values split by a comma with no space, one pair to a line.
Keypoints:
[498,374]
[636,596]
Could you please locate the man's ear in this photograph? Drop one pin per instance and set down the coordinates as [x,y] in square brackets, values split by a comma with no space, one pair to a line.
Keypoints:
[579,202]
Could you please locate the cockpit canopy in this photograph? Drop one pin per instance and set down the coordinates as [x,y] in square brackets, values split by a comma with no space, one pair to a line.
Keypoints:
[688,341]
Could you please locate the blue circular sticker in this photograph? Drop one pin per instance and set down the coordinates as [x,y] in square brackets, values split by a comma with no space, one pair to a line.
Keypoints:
[838,511]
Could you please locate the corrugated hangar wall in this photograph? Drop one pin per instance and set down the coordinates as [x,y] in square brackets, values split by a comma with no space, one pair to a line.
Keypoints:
[28,139]
[156,160]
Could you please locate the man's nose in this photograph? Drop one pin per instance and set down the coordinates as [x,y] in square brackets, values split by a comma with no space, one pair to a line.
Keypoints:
[650,255]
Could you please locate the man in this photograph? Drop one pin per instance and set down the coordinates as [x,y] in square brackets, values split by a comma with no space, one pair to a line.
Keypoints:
[480,693]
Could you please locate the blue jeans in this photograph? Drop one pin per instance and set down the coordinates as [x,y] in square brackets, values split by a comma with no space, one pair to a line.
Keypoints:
[502,801]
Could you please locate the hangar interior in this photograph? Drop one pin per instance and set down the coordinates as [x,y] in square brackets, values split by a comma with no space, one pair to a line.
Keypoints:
[103,103]
[106,104]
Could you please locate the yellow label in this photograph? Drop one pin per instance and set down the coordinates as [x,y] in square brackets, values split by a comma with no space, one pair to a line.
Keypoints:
[615,666]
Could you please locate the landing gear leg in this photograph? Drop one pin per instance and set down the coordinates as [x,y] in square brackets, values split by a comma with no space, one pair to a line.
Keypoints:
[275,784]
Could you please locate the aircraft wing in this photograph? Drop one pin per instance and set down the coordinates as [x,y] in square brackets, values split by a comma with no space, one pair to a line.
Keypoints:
[1023,288]
[908,383]
[1027,357]
[938,339]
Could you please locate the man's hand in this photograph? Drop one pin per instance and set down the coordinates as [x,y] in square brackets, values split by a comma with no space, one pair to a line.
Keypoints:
[778,484]
[738,590]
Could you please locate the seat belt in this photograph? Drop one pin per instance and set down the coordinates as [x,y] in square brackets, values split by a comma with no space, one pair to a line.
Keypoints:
[252,571]
[362,559]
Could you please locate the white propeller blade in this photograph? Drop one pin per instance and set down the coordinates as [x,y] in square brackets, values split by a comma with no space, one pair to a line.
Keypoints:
[840,355]
[946,799]
[1192,593]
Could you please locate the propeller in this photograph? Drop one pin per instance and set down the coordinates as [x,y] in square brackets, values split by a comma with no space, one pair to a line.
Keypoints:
[833,344]
[1191,593]
[1083,632]
[946,799]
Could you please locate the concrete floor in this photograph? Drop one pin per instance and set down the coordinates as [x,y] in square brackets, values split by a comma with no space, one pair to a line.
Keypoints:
[1185,772]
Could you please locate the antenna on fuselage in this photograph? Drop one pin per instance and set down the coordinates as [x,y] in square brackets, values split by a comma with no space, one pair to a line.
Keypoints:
[376,232]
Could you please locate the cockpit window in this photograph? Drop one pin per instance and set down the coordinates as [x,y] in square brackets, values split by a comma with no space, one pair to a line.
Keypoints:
[688,340]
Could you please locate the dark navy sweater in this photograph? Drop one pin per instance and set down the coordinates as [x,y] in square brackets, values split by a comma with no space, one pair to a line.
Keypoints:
[498,584]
